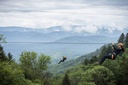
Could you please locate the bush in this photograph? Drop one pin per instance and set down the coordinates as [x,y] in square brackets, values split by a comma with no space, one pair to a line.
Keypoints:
[11,74]
[99,75]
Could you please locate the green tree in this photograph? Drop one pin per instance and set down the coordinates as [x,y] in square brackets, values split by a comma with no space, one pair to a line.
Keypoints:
[11,74]
[33,65]
[2,54]
[41,70]
[10,57]
[2,38]
[123,70]
[86,62]
[126,41]
[77,72]
[99,75]
[93,59]
[103,52]
[43,61]
[66,80]
[28,64]
[109,49]
[121,38]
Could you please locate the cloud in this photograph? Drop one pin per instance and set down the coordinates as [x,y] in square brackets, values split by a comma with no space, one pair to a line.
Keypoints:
[43,5]
[47,13]
[86,28]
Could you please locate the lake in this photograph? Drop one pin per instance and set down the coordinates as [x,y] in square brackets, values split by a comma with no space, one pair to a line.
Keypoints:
[55,50]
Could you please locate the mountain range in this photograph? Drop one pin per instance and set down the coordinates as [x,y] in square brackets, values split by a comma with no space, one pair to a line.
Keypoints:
[51,34]
[55,41]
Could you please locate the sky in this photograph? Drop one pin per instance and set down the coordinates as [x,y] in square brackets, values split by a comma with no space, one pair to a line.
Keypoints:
[40,14]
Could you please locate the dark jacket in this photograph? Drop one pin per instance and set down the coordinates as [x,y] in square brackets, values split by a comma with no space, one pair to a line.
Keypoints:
[117,51]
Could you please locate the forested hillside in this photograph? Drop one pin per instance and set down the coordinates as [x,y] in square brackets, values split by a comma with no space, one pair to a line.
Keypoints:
[61,68]
[111,72]
[33,69]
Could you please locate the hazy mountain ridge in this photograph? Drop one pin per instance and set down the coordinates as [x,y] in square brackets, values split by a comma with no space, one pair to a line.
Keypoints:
[103,30]
[51,34]
[54,34]
[88,39]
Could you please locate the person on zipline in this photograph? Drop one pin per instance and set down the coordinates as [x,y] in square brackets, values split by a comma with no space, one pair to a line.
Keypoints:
[64,58]
[116,51]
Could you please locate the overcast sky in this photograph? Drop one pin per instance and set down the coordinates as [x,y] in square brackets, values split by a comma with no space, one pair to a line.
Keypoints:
[47,13]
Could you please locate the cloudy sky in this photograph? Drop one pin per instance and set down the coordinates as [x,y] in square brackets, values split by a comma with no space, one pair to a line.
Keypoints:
[47,13]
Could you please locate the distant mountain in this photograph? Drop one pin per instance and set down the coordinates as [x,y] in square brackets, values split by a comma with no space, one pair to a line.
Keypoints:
[16,29]
[17,36]
[55,39]
[88,39]
[60,30]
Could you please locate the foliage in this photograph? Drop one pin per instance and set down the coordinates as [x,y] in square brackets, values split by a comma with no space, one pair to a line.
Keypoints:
[28,63]
[91,75]
[76,72]
[57,80]
[119,68]
[126,41]
[11,74]
[103,52]
[9,56]
[123,69]
[2,38]
[66,80]
[3,56]
[63,67]
[34,66]
[121,38]
[99,75]
[93,59]
[86,62]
